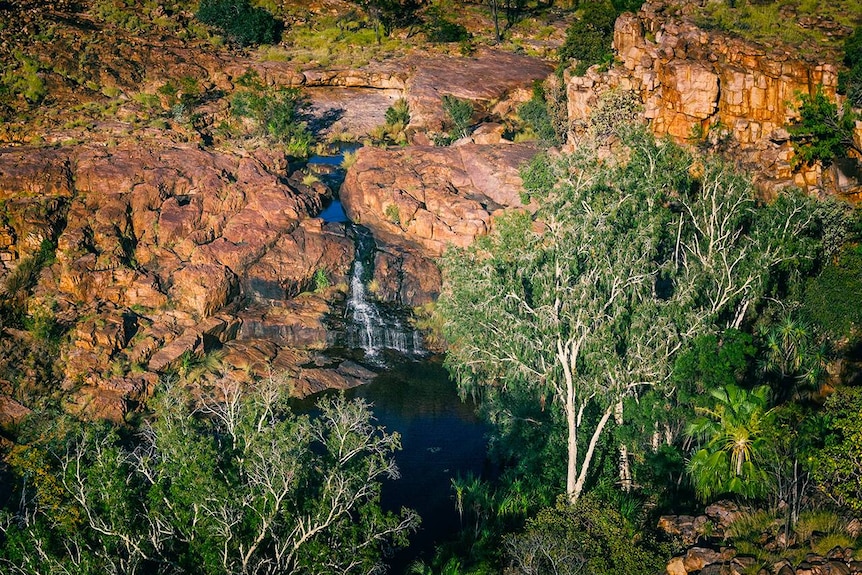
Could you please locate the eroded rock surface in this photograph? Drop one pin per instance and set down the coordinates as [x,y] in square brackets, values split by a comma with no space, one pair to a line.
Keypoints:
[692,81]
[419,200]
[158,249]
[431,197]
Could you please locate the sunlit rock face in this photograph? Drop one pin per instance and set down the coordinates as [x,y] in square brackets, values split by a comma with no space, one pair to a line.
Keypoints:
[419,200]
[158,249]
[692,81]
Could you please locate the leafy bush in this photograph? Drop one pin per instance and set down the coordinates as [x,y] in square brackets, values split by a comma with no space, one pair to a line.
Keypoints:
[22,77]
[588,537]
[439,29]
[460,113]
[837,468]
[276,115]
[828,299]
[240,21]
[823,132]
[850,81]
[321,280]
[398,113]
[537,117]
[588,39]
[213,490]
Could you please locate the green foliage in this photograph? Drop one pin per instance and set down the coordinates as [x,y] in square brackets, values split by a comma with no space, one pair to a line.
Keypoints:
[828,299]
[275,114]
[392,214]
[822,132]
[819,522]
[398,113]
[794,354]
[735,444]
[586,303]
[850,81]
[536,116]
[240,21]
[752,526]
[321,280]
[237,484]
[615,110]
[393,132]
[770,21]
[588,537]
[837,468]
[460,114]
[23,78]
[438,28]
[588,39]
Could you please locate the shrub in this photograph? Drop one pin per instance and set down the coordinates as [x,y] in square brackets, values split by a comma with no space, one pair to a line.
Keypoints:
[240,21]
[850,81]
[398,113]
[460,113]
[392,214]
[277,117]
[822,522]
[536,116]
[827,300]
[823,132]
[615,109]
[585,538]
[439,29]
[321,280]
[588,39]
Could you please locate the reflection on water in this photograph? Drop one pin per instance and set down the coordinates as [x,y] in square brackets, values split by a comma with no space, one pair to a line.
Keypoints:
[441,437]
[334,212]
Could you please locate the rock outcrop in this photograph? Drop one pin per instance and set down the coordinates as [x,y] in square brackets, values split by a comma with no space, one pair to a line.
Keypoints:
[692,81]
[157,249]
[431,197]
[419,200]
[709,551]
[495,81]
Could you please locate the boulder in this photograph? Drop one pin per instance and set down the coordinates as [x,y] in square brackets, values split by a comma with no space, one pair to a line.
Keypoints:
[676,566]
[696,558]
[203,289]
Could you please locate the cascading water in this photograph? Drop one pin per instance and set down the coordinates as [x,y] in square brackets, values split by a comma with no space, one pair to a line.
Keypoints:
[371,326]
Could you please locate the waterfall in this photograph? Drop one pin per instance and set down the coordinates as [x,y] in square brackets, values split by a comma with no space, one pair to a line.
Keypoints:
[373,326]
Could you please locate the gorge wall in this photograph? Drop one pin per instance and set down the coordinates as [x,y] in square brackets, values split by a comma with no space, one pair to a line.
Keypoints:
[692,81]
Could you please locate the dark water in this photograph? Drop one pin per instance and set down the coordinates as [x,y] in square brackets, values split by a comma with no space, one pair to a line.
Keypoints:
[441,437]
[334,212]
[328,169]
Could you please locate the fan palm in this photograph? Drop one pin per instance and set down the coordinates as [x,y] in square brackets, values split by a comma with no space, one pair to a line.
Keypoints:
[734,444]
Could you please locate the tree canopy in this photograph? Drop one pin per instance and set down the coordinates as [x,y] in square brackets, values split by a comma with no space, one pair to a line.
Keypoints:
[229,483]
[589,299]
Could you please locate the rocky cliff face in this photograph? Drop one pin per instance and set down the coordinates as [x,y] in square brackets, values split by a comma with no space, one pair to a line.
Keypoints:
[692,81]
[157,249]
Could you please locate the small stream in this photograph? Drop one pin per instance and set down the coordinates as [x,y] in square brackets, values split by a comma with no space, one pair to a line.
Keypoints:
[413,395]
